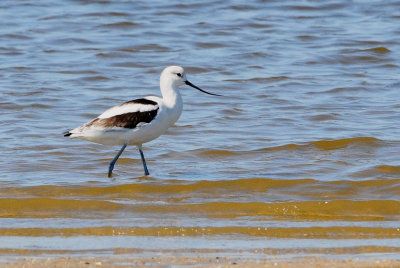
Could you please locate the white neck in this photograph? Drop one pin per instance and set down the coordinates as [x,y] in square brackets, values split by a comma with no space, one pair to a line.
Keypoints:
[170,93]
[172,99]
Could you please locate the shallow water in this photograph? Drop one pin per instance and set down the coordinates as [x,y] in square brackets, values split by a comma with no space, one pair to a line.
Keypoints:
[300,158]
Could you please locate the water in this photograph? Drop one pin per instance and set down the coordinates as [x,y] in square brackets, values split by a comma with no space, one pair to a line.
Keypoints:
[300,158]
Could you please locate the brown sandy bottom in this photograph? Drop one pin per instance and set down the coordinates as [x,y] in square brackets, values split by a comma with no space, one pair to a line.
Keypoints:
[170,261]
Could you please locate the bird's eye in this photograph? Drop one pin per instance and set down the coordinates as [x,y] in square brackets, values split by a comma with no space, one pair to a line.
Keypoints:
[179,74]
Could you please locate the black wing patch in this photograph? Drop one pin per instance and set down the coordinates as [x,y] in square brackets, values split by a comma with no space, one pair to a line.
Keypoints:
[141,101]
[127,120]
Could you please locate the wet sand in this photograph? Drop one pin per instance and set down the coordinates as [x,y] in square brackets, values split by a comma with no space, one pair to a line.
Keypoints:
[199,261]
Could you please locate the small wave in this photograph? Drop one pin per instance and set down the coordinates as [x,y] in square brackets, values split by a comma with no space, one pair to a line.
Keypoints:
[328,144]
[343,89]
[378,50]
[216,153]
[108,14]
[153,47]
[259,79]
[133,190]
[122,24]
[275,232]
[316,7]
[343,143]
[389,169]
[51,207]
[302,188]
[96,78]
[196,70]
[68,41]
[127,64]
[16,36]
[323,117]
[209,45]
[89,72]
[111,55]
[348,210]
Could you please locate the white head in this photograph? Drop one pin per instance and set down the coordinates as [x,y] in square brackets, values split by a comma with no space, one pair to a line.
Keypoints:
[175,76]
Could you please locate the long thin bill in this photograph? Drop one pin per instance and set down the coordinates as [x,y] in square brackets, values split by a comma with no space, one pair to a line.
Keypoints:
[190,84]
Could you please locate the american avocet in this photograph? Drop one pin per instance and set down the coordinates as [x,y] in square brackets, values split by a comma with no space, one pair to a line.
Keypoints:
[138,121]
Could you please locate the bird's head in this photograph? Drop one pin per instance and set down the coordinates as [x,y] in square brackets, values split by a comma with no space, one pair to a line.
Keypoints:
[176,76]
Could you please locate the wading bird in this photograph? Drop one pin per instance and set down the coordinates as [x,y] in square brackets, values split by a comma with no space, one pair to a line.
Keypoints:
[138,121]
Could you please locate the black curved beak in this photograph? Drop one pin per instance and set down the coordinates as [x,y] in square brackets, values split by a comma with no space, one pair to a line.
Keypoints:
[190,84]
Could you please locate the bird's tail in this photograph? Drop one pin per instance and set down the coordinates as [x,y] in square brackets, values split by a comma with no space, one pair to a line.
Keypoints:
[67,133]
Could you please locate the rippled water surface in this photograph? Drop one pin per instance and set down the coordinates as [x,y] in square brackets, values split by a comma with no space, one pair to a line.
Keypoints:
[299,158]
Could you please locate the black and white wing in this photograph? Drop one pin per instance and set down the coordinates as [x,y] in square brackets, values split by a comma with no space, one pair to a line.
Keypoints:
[129,114]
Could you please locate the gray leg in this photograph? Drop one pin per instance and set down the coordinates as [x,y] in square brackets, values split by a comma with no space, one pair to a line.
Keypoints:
[112,163]
[146,171]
